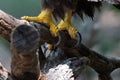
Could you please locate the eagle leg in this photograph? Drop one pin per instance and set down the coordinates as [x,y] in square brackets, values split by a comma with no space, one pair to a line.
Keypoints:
[65,24]
[44,17]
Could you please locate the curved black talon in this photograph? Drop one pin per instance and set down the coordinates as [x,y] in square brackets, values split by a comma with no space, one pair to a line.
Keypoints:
[59,39]
[79,39]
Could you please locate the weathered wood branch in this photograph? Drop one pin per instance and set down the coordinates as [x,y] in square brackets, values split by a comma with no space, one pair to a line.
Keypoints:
[102,65]
[63,71]
[3,72]
[24,44]
[24,60]
[7,24]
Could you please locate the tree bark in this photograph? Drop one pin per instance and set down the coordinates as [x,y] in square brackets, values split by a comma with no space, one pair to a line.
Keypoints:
[24,53]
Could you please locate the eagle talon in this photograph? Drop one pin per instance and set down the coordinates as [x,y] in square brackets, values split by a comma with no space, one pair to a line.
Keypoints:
[53,47]
[59,39]
[79,39]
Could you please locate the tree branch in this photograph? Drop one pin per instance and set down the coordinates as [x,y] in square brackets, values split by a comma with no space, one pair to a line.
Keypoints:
[7,24]
[24,60]
[102,65]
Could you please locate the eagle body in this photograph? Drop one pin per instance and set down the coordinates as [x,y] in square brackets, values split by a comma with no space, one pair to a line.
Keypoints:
[80,7]
[58,9]
[65,9]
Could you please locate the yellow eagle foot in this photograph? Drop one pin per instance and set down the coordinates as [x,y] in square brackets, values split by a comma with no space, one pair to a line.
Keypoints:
[74,34]
[44,17]
[63,25]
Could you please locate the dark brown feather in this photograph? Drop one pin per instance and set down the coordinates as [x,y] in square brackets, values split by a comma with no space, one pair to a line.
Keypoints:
[56,6]
[87,7]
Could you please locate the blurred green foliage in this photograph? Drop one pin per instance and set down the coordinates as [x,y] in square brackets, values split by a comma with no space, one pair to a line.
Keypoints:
[109,7]
[108,45]
[20,8]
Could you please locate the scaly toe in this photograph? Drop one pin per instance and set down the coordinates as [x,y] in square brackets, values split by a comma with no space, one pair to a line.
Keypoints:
[24,18]
[73,35]
[53,30]
[72,32]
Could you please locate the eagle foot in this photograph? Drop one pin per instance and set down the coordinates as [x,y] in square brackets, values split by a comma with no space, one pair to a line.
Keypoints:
[44,17]
[74,34]
[64,25]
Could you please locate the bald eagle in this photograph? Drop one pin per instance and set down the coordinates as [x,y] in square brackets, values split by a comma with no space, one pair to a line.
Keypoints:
[65,9]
